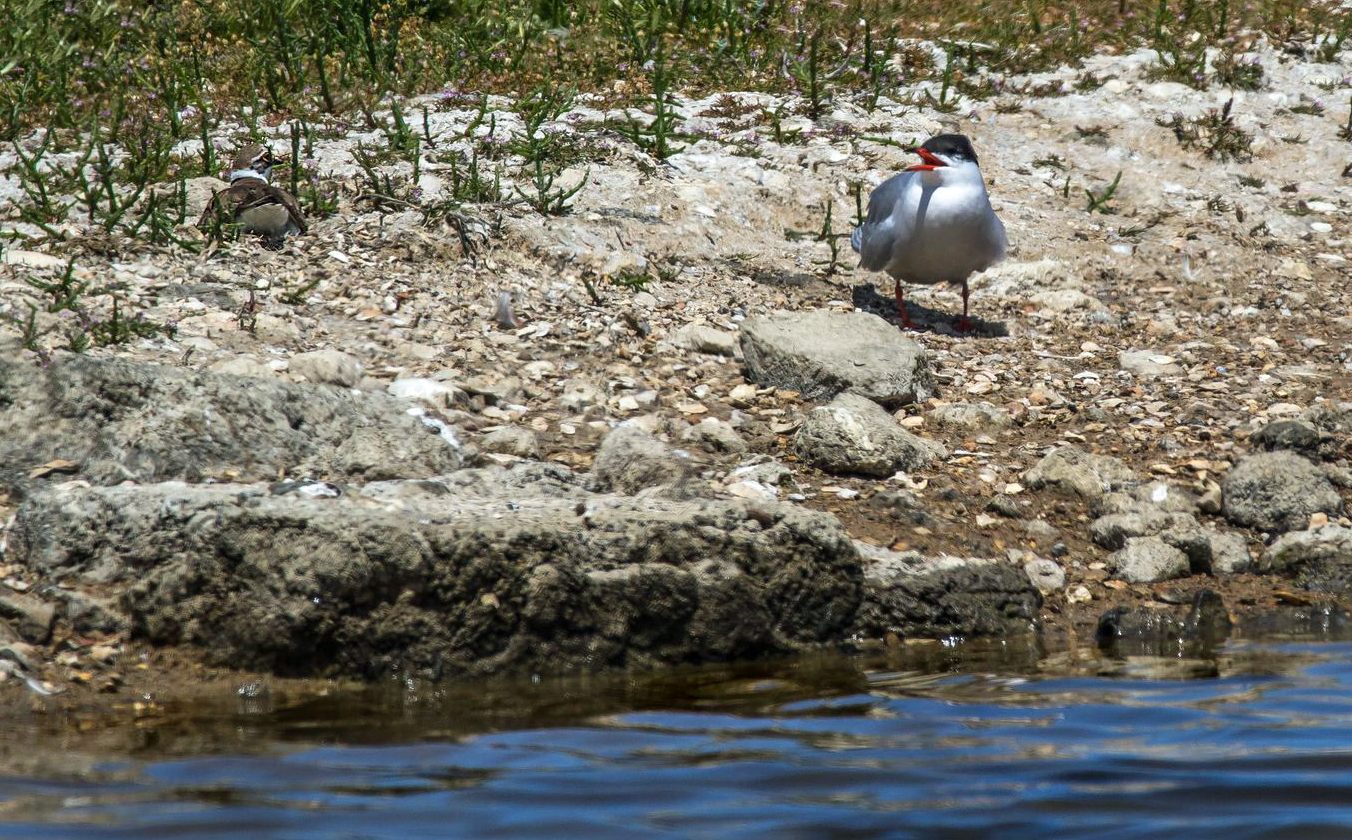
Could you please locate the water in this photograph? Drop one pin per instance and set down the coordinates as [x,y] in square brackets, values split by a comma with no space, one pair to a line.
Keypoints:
[1255,742]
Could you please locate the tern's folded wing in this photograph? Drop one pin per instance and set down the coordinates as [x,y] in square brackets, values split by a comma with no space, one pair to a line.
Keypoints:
[876,236]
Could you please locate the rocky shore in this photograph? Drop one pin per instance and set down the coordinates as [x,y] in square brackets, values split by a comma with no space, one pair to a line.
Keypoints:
[738,454]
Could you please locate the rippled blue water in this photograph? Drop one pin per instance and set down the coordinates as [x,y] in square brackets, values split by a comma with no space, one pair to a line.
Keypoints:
[1260,747]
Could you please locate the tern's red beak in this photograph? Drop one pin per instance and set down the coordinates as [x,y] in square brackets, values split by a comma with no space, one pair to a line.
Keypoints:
[931,162]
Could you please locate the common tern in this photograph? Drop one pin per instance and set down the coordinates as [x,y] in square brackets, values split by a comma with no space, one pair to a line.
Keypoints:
[933,222]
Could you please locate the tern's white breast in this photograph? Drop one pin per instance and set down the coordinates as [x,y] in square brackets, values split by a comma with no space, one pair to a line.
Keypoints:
[943,228]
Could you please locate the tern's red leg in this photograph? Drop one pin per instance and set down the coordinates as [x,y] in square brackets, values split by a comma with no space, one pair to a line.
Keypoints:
[964,325]
[901,307]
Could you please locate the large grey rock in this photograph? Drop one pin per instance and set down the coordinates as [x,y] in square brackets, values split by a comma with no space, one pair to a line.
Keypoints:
[1229,552]
[1277,491]
[1147,560]
[433,392]
[822,353]
[1209,550]
[120,420]
[1295,435]
[853,435]
[197,193]
[911,595]
[1318,558]
[1333,421]
[629,459]
[1114,529]
[1069,469]
[1154,495]
[1066,300]
[487,573]
[579,393]
[517,441]
[1046,575]
[488,570]
[32,617]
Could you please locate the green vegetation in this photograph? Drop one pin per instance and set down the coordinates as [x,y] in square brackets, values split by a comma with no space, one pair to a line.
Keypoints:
[1214,133]
[103,100]
[1098,202]
[87,315]
[185,64]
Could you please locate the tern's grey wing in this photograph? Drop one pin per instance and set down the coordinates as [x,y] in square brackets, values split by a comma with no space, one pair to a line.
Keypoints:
[876,236]
[1000,236]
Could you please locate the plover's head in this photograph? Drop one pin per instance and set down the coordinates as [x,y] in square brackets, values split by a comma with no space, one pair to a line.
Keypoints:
[253,161]
[945,151]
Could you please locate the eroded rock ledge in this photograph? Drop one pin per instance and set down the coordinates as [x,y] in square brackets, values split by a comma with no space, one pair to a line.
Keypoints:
[479,571]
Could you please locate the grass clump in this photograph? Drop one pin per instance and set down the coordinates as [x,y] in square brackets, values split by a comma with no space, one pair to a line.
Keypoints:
[1098,202]
[1214,133]
[112,187]
[545,151]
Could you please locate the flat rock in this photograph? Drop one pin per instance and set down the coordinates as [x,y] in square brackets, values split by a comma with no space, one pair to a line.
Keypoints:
[1070,469]
[703,338]
[822,353]
[514,571]
[909,594]
[327,367]
[1318,558]
[490,570]
[119,420]
[853,435]
[629,459]
[1277,491]
[1147,560]
[1148,364]
[976,416]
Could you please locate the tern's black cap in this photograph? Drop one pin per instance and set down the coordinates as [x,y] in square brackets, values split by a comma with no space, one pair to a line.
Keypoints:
[951,145]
